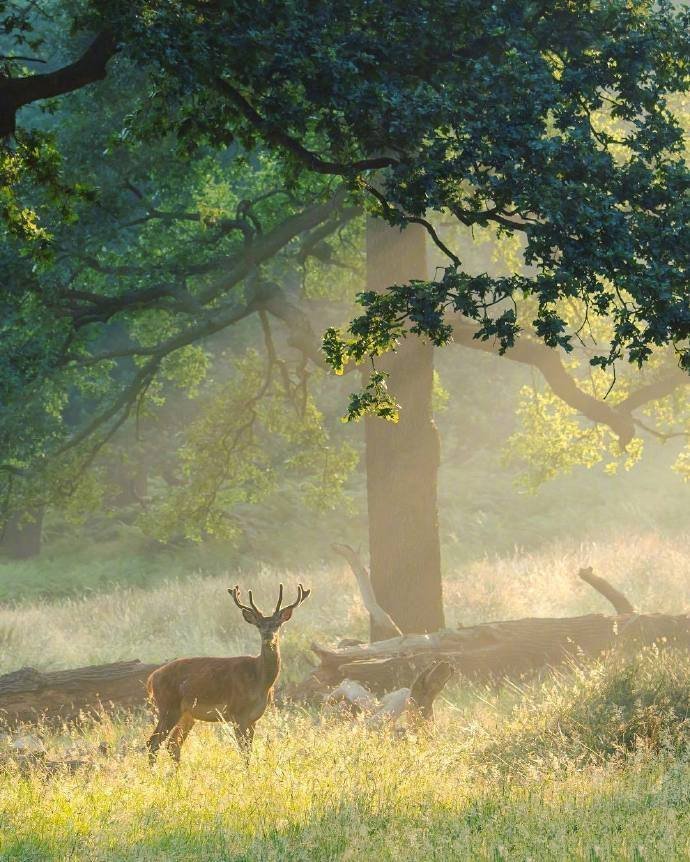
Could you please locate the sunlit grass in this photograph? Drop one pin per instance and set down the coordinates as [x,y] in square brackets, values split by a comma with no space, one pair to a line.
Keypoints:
[194,616]
[653,570]
[324,789]
[191,614]
[585,765]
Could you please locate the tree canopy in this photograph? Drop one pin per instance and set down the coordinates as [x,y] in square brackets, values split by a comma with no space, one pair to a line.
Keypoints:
[555,122]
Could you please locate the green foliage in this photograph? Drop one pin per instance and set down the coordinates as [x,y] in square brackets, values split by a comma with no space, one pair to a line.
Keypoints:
[34,192]
[248,437]
[551,437]
[374,399]
[87,364]
[552,440]
[224,172]
[597,712]
[682,466]
[32,156]
[440,396]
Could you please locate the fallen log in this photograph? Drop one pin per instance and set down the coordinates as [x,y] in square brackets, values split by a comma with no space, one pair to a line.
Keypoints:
[353,696]
[493,651]
[416,701]
[485,652]
[28,695]
[427,687]
[392,706]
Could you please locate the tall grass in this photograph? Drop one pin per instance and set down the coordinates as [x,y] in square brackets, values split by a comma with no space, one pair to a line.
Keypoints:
[653,570]
[491,781]
[591,764]
[194,615]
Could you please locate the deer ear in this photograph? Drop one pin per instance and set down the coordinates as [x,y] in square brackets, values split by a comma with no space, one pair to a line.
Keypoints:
[249,616]
[285,614]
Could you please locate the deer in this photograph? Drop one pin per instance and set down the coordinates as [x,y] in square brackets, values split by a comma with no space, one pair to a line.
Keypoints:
[235,690]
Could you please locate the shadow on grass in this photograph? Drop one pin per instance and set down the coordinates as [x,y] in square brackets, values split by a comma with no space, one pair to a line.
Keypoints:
[637,823]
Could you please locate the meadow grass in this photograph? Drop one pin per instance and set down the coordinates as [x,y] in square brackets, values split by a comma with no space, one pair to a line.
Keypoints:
[590,764]
[190,613]
[322,788]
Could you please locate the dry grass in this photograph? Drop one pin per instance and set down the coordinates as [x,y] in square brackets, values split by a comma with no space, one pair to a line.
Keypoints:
[194,616]
[182,617]
[592,766]
[652,570]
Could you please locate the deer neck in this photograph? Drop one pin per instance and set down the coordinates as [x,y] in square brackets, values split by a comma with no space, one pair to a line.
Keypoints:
[269,660]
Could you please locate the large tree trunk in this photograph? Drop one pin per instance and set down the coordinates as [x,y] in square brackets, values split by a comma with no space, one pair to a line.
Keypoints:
[402,459]
[21,538]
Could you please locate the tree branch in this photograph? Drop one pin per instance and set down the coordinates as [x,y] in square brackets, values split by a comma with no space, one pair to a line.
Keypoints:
[271,243]
[220,319]
[653,391]
[277,136]
[90,67]
[549,363]
[301,334]
[359,570]
[100,309]
[386,207]
[122,403]
[620,603]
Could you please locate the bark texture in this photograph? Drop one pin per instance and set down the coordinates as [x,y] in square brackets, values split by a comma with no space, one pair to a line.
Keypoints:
[490,652]
[402,458]
[27,695]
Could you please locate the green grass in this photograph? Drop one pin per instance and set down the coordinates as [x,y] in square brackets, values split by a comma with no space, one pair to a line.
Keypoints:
[587,765]
[76,565]
[321,788]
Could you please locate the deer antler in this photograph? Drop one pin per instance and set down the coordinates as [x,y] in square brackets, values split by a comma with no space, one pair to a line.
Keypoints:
[254,607]
[235,593]
[280,600]
[302,594]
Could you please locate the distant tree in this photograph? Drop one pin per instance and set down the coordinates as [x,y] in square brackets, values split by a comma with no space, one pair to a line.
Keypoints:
[124,315]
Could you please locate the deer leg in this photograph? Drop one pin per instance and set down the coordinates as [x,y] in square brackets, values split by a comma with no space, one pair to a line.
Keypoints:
[166,722]
[179,733]
[245,736]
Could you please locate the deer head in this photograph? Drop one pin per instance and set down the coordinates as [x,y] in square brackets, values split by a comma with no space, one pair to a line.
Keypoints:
[268,626]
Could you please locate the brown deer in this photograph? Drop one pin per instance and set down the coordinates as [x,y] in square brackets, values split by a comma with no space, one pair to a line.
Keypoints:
[236,690]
